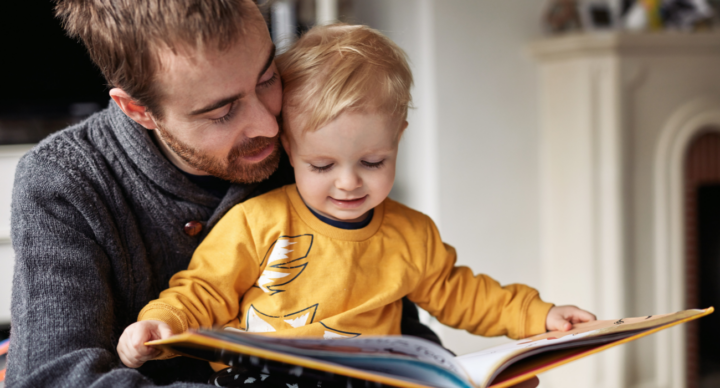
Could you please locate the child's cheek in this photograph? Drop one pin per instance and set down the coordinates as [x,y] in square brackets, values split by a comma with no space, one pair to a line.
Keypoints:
[312,186]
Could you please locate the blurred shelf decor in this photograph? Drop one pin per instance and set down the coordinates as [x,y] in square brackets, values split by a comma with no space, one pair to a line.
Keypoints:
[563,16]
[288,19]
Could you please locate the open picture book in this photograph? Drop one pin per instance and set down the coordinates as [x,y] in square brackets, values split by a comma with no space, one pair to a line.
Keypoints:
[412,362]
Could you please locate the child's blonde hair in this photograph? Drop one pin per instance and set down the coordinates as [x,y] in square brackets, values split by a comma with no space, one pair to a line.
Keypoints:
[336,68]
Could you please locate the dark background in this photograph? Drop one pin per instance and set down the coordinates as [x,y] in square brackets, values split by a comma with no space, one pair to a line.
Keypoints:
[48,80]
[709,273]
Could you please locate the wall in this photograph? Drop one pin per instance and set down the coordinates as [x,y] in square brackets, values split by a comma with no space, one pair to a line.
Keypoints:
[471,150]
[9,157]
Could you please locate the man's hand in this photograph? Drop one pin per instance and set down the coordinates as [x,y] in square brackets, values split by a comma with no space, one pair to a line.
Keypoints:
[562,318]
[132,349]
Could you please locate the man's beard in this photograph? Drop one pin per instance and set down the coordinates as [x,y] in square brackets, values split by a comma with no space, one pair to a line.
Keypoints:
[233,168]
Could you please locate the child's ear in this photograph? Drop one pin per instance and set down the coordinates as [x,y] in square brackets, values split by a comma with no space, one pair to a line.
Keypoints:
[401,130]
[286,144]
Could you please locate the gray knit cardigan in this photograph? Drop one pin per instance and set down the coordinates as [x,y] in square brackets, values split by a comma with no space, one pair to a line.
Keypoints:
[97,227]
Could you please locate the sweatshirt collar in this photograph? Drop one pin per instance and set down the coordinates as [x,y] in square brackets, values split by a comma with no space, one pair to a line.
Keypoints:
[328,230]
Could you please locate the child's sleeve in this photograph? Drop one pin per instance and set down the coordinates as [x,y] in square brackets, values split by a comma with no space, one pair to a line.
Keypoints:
[208,293]
[476,303]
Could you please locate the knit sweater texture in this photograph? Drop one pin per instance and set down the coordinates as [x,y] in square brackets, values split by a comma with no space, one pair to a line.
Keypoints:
[97,228]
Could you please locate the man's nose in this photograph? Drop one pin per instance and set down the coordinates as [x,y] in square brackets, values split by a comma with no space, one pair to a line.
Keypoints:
[261,122]
[348,180]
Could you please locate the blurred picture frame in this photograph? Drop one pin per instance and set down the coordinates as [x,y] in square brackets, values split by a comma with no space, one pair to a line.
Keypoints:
[561,16]
[597,15]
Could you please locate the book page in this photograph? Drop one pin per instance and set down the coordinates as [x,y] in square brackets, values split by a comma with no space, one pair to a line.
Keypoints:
[484,365]
[412,347]
[415,348]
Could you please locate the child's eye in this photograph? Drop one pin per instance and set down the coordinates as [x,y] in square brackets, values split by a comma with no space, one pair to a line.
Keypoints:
[321,168]
[373,165]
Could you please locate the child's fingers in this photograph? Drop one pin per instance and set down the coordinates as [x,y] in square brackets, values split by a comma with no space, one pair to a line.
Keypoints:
[133,360]
[564,325]
[562,318]
[128,356]
[163,331]
[139,337]
[580,315]
[559,323]
[132,349]
[122,348]
[127,352]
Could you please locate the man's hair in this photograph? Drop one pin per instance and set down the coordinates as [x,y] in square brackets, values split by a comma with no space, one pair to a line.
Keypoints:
[124,37]
[338,68]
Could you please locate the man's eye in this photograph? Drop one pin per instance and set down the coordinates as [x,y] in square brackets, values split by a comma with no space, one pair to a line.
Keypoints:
[270,82]
[321,168]
[373,165]
[225,118]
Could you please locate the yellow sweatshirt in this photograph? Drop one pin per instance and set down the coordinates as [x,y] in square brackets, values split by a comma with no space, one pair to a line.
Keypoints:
[270,265]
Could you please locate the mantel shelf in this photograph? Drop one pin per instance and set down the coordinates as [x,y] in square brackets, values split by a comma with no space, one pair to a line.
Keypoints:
[625,44]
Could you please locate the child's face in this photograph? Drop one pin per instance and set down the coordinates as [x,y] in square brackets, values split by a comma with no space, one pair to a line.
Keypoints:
[347,167]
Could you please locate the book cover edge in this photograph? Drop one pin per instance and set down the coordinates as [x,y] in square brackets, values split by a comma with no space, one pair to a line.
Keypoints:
[528,375]
[202,340]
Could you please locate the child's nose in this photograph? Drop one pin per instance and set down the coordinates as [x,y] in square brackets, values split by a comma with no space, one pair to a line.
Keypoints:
[348,181]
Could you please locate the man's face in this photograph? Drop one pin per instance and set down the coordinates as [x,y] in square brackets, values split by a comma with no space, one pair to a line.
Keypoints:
[220,108]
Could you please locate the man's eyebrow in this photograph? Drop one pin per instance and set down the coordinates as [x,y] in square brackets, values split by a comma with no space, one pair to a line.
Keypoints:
[269,62]
[216,104]
[227,100]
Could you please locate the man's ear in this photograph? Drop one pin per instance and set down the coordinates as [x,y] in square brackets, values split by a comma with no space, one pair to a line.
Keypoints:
[286,144]
[138,113]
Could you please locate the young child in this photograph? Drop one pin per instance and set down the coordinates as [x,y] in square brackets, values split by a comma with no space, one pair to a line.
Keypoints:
[332,256]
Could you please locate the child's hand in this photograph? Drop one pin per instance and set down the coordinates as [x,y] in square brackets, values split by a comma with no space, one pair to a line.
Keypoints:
[562,318]
[131,347]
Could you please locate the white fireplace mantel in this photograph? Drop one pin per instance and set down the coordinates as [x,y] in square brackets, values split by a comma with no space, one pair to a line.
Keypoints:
[613,126]
[625,45]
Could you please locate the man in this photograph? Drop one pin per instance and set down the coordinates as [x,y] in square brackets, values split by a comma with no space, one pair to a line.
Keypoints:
[105,212]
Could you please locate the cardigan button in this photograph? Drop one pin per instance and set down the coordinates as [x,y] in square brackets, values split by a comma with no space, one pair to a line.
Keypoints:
[193,228]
